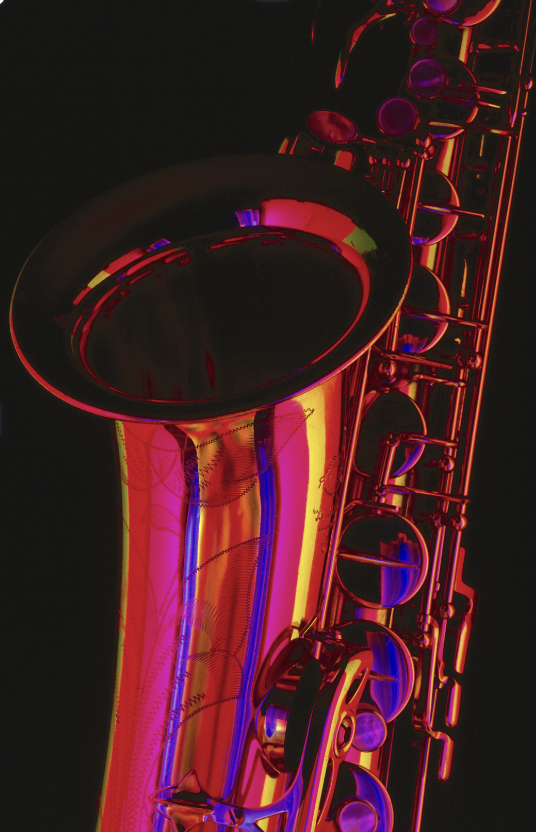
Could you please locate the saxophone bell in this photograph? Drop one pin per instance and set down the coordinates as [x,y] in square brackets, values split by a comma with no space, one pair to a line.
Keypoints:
[234,363]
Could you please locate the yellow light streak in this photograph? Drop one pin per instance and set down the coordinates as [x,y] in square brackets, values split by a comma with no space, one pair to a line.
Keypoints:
[464,45]
[428,256]
[316,441]
[98,279]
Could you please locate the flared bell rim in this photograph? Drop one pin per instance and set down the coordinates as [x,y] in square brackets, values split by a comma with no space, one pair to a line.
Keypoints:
[185,201]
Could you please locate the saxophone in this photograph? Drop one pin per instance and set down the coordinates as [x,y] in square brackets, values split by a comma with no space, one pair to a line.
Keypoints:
[293,349]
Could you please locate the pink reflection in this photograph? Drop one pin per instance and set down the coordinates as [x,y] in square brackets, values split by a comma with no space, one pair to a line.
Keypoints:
[293,478]
[154,522]
[324,222]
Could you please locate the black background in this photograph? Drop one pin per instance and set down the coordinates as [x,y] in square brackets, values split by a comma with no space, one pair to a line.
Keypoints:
[95,93]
